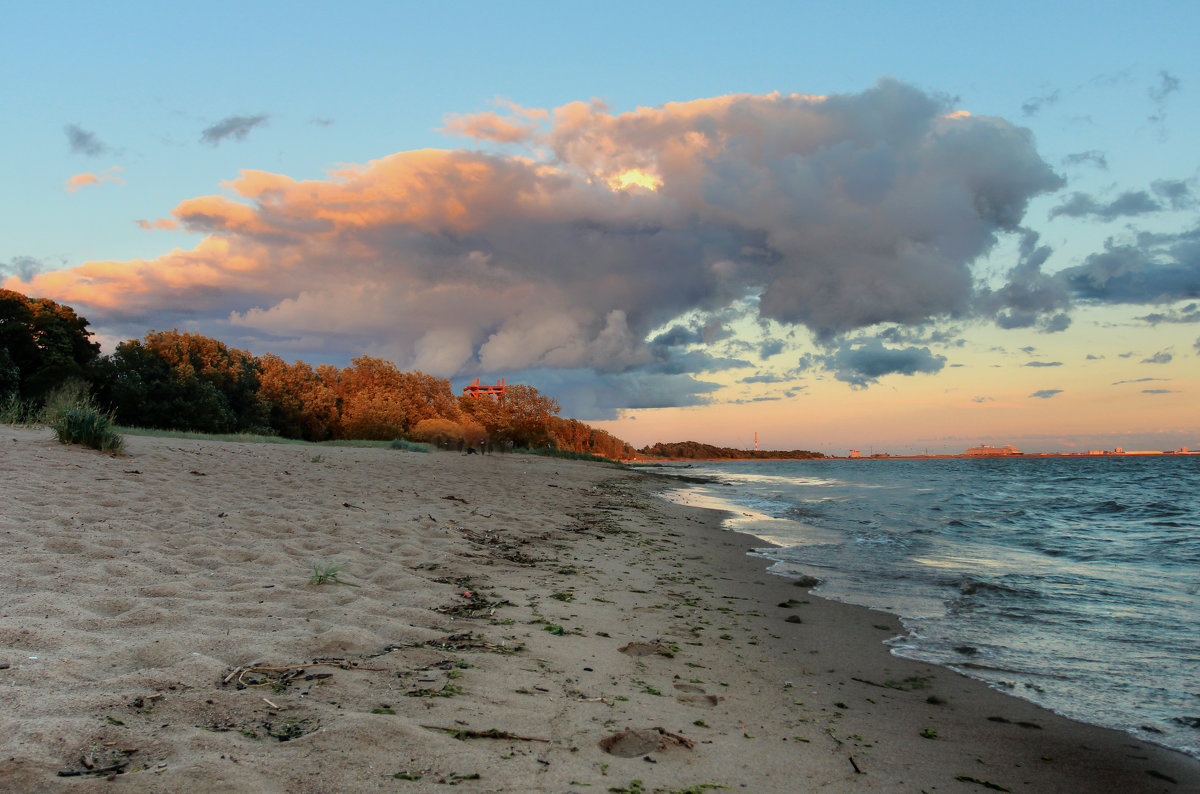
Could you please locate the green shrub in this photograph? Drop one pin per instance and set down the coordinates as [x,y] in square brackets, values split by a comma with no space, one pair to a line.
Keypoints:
[15,412]
[566,454]
[75,419]
[411,446]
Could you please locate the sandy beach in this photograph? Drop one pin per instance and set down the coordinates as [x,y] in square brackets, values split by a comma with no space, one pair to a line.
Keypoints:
[497,623]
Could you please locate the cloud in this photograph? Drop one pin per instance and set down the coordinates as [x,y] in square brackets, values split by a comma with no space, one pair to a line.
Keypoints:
[1158,391]
[770,347]
[1044,364]
[22,268]
[1029,297]
[1135,380]
[235,127]
[1186,314]
[1197,345]
[82,180]
[765,377]
[1161,357]
[1172,194]
[863,362]
[1167,84]
[1034,105]
[838,212]
[598,396]
[1153,268]
[1046,394]
[83,142]
[490,126]
[162,224]
[1130,203]
[1091,157]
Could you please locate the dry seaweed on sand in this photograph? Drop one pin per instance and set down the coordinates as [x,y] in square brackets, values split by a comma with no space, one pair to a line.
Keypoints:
[462,734]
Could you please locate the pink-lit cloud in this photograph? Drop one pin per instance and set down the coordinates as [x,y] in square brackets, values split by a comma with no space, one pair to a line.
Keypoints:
[840,212]
[83,180]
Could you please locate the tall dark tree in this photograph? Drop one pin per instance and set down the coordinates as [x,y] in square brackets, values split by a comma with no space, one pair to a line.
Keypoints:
[45,342]
[183,381]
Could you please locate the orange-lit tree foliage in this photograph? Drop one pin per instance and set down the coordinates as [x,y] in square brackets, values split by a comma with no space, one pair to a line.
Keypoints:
[303,402]
[379,401]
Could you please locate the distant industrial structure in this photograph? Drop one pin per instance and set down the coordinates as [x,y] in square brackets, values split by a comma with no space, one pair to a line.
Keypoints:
[985,451]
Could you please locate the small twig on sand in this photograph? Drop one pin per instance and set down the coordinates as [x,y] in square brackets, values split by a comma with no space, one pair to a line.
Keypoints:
[857,771]
[353,507]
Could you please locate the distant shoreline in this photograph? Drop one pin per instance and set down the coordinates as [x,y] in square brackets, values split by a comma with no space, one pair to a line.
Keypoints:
[1023,455]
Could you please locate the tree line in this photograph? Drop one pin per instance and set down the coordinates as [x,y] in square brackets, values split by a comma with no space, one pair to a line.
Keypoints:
[185,381]
[694,450]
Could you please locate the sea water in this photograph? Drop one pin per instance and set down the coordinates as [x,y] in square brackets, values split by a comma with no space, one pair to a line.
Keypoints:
[1073,582]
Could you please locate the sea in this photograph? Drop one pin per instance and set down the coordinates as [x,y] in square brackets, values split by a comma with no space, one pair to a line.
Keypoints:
[1072,582]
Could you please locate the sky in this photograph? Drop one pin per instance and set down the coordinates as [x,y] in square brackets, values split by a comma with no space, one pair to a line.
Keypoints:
[877,226]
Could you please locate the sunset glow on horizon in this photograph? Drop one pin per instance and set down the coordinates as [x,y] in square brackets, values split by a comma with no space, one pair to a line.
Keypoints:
[704,243]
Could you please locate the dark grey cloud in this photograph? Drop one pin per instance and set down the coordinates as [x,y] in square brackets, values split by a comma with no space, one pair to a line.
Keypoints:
[1197,345]
[23,267]
[1154,268]
[1185,314]
[1128,204]
[1161,357]
[1029,297]
[83,142]
[1046,394]
[234,127]
[765,377]
[1178,193]
[1034,105]
[1094,357]
[949,336]
[1091,157]
[863,362]
[1135,380]
[1158,391]
[678,336]
[1173,194]
[1044,364]
[770,347]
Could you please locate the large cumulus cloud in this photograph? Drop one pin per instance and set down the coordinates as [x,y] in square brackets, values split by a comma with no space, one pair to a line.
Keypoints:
[838,212]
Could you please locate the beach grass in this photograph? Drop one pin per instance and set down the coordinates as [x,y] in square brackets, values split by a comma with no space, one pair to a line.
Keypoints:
[71,412]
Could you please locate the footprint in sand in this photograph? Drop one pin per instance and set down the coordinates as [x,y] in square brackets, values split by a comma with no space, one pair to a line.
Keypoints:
[696,696]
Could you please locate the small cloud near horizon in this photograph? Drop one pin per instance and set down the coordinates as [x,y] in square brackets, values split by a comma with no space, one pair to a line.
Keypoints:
[1046,394]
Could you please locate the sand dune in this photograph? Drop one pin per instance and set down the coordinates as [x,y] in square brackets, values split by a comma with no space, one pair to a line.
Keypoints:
[504,623]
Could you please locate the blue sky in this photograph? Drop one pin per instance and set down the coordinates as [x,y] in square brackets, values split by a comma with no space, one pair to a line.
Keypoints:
[116,117]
